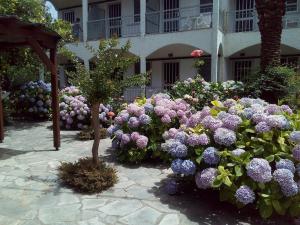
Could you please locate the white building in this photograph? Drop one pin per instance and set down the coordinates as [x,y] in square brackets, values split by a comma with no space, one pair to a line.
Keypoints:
[164,32]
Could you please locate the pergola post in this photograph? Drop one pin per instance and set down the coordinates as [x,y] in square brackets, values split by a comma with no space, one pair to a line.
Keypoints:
[55,104]
[1,117]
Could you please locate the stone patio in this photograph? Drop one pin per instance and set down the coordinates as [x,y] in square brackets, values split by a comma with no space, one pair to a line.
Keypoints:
[30,193]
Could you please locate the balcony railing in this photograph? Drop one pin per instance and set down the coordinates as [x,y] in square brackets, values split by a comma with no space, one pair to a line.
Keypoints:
[175,20]
[247,21]
[130,94]
[117,26]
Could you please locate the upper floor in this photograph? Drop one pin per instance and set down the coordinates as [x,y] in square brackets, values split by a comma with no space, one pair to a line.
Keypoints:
[94,19]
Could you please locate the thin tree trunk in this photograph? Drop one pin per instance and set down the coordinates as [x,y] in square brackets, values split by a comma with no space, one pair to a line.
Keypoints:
[270,15]
[96,128]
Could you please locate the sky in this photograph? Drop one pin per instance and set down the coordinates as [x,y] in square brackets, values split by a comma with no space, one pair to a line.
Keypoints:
[52,10]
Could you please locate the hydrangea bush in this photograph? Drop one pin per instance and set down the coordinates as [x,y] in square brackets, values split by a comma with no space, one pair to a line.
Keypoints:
[32,100]
[199,93]
[246,149]
[75,112]
[139,129]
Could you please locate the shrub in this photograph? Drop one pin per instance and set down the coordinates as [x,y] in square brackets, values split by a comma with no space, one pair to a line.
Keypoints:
[85,177]
[75,112]
[33,100]
[200,93]
[248,150]
[272,85]
[138,130]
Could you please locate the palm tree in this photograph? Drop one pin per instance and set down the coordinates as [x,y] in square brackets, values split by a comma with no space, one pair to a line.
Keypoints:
[270,15]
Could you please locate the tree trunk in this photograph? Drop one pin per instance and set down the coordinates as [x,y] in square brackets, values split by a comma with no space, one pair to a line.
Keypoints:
[96,128]
[270,15]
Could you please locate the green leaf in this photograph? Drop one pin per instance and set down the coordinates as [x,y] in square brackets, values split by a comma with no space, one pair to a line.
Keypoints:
[250,131]
[238,171]
[278,208]
[294,210]
[261,186]
[227,181]
[265,211]
[199,159]
[217,183]
[270,158]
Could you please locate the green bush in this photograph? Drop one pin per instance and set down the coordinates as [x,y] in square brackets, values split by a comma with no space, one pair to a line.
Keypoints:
[86,177]
[272,85]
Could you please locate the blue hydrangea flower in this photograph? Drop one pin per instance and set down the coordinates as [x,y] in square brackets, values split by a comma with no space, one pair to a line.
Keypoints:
[232,122]
[193,140]
[148,108]
[145,119]
[245,195]
[211,156]
[277,121]
[119,134]
[222,115]
[296,152]
[181,136]
[224,137]
[248,113]
[176,166]
[238,152]
[295,137]
[286,164]
[133,122]
[290,189]
[171,187]
[262,127]
[179,151]
[285,179]
[259,170]
[188,168]
[206,177]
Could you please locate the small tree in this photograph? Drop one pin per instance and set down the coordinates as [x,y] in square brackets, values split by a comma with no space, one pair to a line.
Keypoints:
[105,80]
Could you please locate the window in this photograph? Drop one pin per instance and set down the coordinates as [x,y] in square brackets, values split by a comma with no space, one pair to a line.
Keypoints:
[115,21]
[244,15]
[291,5]
[137,70]
[171,74]
[206,6]
[69,16]
[137,11]
[291,61]
[242,70]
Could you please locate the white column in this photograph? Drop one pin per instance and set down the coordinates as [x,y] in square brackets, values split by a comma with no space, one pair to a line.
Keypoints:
[42,73]
[85,19]
[143,17]
[143,71]
[86,64]
[215,40]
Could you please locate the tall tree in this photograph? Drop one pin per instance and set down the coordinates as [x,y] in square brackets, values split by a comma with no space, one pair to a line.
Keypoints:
[270,15]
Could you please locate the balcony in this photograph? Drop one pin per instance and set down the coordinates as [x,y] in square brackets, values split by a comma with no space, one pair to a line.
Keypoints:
[247,21]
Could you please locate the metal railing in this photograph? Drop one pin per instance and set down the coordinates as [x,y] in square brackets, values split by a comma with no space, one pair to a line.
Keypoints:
[175,20]
[247,21]
[117,26]
[77,31]
[130,94]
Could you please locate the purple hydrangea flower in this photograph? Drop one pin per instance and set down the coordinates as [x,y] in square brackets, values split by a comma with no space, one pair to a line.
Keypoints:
[125,139]
[248,113]
[259,117]
[245,195]
[148,107]
[206,177]
[193,140]
[277,121]
[110,130]
[272,109]
[203,139]
[172,132]
[119,120]
[222,115]
[142,142]
[232,122]
[181,136]
[125,116]
[295,137]
[211,123]
[296,152]
[229,103]
[238,152]
[119,134]
[159,110]
[145,119]
[166,119]
[290,189]
[285,179]
[259,170]
[286,109]
[171,187]
[262,127]
[133,122]
[286,164]
[223,136]
[211,156]
[188,168]
[134,136]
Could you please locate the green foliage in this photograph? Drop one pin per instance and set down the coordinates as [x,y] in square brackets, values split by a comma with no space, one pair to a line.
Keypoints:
[200,93]
[85,177]
[106,80]
[273,84]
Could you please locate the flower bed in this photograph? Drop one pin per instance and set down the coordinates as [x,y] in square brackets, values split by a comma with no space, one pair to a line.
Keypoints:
[75,112]
[248,150]
[33,100]
[200,93]
[139,129]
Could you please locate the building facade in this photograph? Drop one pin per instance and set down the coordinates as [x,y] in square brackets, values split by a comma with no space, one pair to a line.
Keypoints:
[164,32]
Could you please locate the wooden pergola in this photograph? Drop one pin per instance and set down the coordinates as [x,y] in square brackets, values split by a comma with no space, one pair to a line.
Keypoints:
[15,33]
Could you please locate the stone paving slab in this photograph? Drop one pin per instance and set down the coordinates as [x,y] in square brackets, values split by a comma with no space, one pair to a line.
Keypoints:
[30,193]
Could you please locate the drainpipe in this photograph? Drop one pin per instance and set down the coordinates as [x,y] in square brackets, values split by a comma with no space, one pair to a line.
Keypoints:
[215,40]
[143,17]
[85,19]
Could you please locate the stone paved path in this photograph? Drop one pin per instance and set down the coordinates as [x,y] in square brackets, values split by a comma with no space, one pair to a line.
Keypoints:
[30,193]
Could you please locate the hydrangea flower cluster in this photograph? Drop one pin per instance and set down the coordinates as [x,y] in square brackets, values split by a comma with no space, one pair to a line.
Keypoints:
[245,195]
[206,177]
[75,112]
[33,100]
[285,179]
[259,170]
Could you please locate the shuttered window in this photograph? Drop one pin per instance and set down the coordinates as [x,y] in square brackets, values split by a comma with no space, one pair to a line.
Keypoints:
[171,74]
